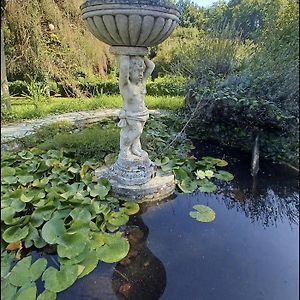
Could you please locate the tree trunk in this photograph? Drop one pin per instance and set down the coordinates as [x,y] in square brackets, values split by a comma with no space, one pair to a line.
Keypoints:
[4,82]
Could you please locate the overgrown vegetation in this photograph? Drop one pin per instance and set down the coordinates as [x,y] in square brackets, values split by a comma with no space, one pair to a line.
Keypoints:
[242,63]
[52,203]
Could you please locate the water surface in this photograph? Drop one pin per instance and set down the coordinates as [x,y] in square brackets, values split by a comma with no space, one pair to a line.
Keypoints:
[250,252]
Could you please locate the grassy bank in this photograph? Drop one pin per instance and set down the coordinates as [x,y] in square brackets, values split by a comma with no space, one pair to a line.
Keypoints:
[22,109]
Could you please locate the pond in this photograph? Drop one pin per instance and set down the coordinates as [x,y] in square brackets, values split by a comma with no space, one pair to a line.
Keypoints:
[249,252]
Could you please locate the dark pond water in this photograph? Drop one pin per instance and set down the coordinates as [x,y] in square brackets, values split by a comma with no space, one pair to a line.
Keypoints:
[250,252]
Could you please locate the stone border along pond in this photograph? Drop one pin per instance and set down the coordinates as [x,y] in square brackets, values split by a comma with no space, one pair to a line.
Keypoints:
[11,132]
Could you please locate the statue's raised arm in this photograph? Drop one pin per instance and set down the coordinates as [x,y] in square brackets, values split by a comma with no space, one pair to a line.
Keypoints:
[150,66]
[124,67]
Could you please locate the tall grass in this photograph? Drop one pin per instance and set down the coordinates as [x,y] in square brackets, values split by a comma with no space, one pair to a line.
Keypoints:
[24,110]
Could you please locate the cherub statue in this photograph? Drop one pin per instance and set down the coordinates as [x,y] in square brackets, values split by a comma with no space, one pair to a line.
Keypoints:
[134,72]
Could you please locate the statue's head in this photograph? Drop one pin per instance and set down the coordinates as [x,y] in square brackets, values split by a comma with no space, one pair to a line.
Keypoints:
[137,69]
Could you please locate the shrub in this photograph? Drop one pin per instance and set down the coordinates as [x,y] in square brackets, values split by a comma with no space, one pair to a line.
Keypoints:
[167,86]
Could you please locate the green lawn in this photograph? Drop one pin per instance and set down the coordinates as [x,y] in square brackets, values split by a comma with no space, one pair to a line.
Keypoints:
[23,109]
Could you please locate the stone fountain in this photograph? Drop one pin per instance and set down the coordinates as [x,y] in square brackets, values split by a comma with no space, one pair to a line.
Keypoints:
[130,27]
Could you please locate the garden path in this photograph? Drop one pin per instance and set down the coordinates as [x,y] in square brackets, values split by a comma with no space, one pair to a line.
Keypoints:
[10,132]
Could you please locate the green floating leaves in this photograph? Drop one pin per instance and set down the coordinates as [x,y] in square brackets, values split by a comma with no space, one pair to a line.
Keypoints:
[27,292]
[223,175]
[114,250]
[203,214]
[57,281]
[53,231]
[71,245]
[118,219]
[47,295]
[15,234]
[130,208]
[188,186]
[24,273]
[207,187]
[89,263]
[7,171]
[101,189]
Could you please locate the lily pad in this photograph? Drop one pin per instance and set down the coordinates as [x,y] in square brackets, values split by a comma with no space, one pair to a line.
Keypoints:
[71,245]
[7,171]
[53,230]
[57,281]
[203,214]
[118,219]
[15,234]
[207,187]
[114,250]
[47,295]
[24,273]
[27,292]
[130,208]
[223,175]
[89,264]
[188,186]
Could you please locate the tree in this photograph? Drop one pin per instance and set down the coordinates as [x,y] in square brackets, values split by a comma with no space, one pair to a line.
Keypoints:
[4,82]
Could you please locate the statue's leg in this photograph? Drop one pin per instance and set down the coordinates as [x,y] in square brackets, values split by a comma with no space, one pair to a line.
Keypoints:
[136,146]
[125,143]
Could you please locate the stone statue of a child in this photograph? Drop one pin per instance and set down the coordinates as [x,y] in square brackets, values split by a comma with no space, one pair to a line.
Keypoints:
[134,71]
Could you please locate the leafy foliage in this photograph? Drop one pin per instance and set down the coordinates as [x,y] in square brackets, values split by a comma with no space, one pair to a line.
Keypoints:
[61,205]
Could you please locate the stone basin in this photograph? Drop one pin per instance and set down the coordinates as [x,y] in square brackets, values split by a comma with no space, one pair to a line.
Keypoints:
[130,23]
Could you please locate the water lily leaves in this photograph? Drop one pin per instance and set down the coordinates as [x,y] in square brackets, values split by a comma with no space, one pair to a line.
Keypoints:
[25,179]
[89,263]
[9,179]
[223,175]
[101,189]
[24,273]
[130,208]
[34,238]
[188,186]
[27,292]
[8,291]
[7,214]
[6,261]
[71,245]
[118,219]
[203,214]
[53,230]
[57,281]
[114,250]
[7,171]
[26,155]
[47,295]
[15,234]
[207,187]
[82,214]
[181,174]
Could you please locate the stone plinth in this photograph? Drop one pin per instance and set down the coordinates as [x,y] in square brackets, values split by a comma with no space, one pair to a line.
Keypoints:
[160,187]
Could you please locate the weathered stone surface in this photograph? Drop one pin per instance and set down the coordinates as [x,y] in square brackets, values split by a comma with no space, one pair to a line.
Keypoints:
[129,172]
[130,23]
[160,187]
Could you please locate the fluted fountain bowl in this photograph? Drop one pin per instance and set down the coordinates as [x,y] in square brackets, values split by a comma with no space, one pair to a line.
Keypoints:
[130,23]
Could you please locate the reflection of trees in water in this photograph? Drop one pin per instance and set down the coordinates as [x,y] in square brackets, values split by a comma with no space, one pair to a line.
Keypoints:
[265,200]
[140,275]
[268,199]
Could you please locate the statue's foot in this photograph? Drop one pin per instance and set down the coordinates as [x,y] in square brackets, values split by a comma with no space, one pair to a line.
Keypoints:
[140,153]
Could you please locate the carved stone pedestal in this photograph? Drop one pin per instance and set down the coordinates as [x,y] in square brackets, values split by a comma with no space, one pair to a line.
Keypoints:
[158,188]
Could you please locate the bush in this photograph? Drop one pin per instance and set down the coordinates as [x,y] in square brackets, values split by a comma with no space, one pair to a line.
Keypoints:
[167,86]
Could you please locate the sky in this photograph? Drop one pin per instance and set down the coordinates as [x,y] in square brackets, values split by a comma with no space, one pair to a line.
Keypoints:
[204,3]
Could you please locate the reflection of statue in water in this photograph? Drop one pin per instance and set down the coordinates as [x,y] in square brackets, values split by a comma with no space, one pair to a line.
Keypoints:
[134,71]
[141,275]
